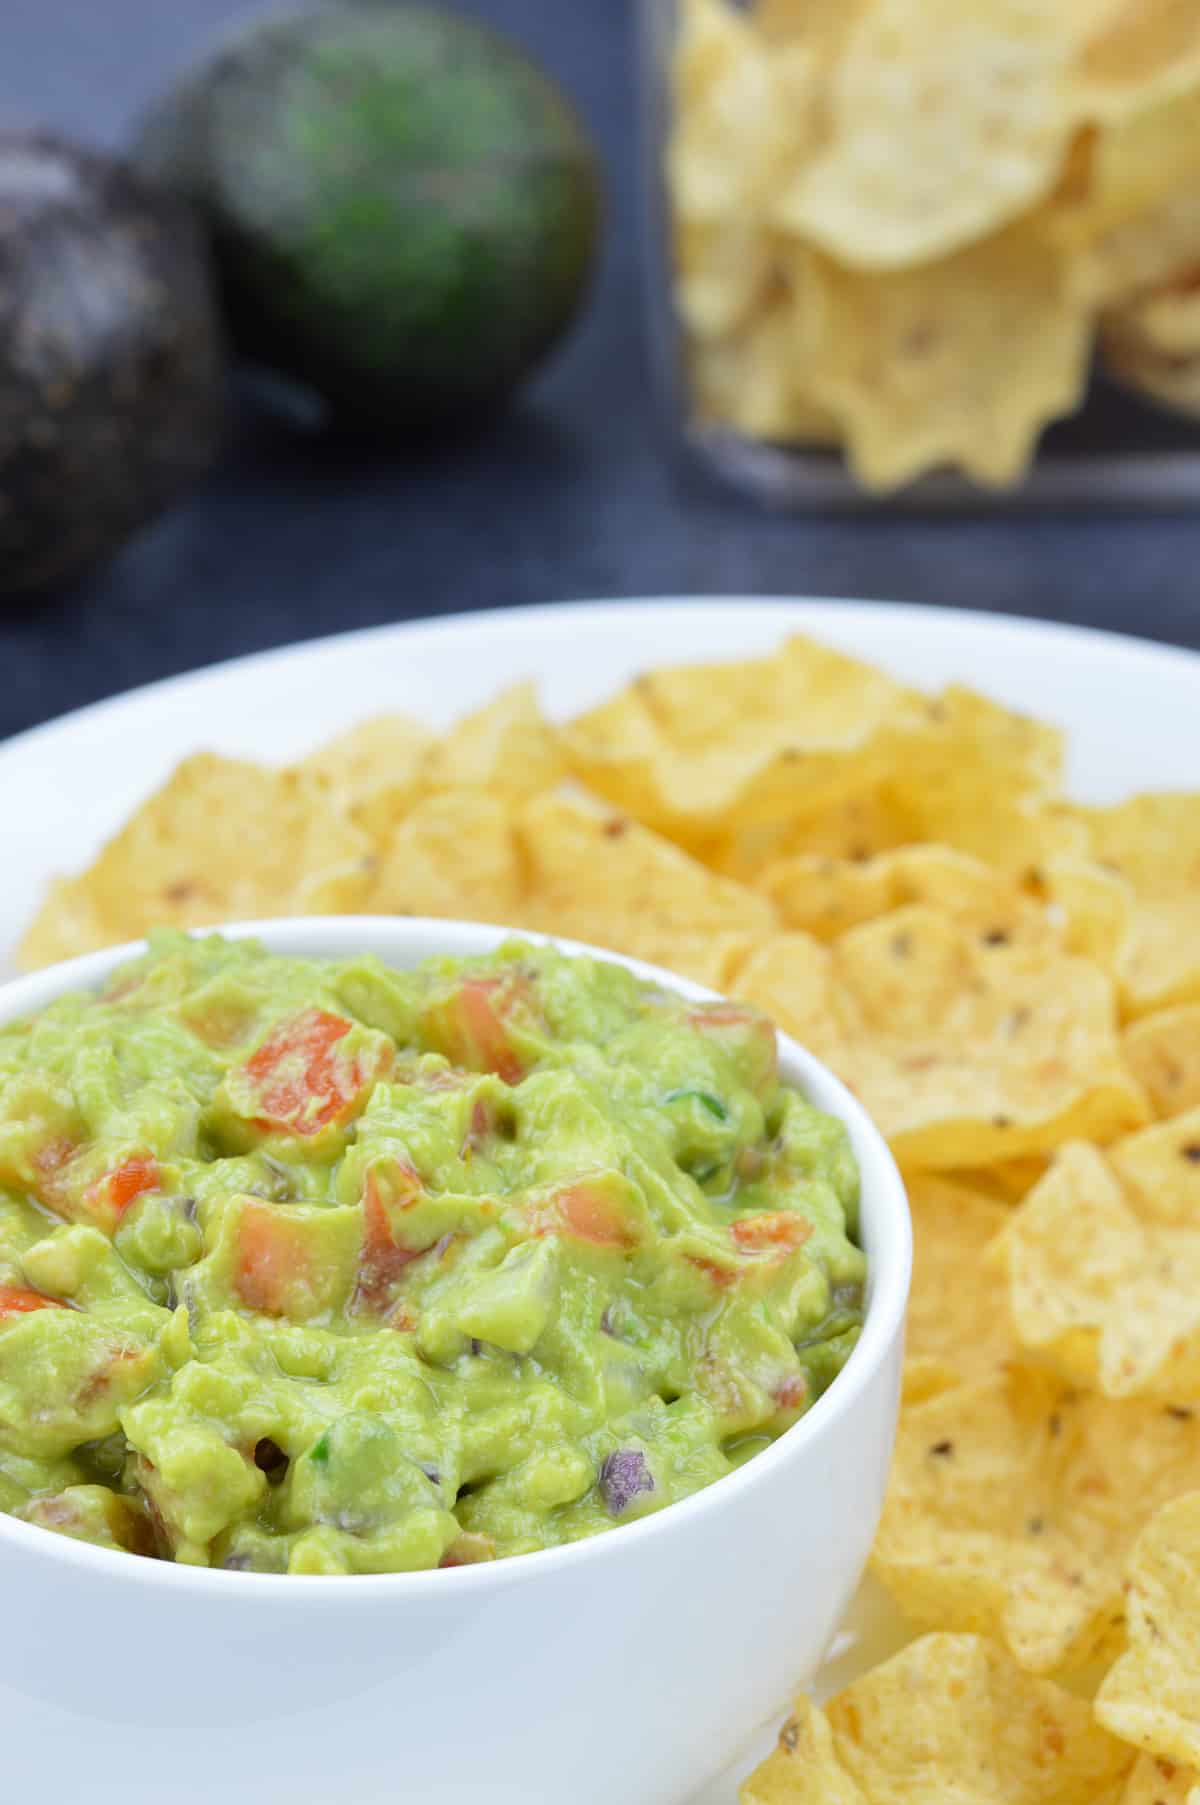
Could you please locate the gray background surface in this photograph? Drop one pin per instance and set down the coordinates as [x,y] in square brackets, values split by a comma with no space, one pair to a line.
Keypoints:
[569,496]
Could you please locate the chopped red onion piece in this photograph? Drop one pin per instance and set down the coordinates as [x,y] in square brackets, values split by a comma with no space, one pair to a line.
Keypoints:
[622,1476]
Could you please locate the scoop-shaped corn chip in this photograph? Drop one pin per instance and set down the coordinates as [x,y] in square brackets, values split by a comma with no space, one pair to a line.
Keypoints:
[1151,1696]
[1013,1504]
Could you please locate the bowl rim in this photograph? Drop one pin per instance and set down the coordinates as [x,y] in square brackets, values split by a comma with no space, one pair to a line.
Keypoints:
[884,1202]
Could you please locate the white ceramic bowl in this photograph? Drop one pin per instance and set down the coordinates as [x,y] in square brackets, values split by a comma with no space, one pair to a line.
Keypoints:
[624,1668]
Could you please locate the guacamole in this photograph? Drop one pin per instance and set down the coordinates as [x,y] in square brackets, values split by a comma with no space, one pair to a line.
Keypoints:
[314,1266]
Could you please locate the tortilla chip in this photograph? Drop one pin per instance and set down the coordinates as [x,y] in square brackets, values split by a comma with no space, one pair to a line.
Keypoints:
[1151,1697]
[592,874]
[1101,1284]
[507,747]
[1135,223]
[1163,1053]
[221,841]
[804,1768]
[66,925]
[855,828]
[722,156]
[1013,1504]
[1149,51]
[754,379]
[945,125]
[984,779]
[825,897]
[1170,378]
[1006,1181]
[950,1720]
[958,363]
[1096,907]
[821,25]
[964,773]
[1156,1781]
[1152,844]
[698,749]
[454,855]
[723,274]
[1152,840]
[373,771]
[957,1309]
[963,1052]
[1161,1167]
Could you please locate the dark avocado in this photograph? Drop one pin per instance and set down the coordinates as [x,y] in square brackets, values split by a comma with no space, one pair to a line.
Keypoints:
[404,210]
[112,390]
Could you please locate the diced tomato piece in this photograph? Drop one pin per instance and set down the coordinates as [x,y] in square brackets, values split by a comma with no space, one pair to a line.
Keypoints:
[273,1254]
[303,1084]
[111,1196]
[587,1212]
[774,1229]
[131,1179]
[395,1187]
[792,1392]
[16,1300]
[471,1026]
[720,1275]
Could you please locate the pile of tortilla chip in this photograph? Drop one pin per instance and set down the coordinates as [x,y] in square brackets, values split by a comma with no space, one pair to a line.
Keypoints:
[899,227]
[1009,981]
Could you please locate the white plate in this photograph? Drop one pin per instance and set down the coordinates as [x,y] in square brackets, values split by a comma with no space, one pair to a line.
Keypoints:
[1129,708]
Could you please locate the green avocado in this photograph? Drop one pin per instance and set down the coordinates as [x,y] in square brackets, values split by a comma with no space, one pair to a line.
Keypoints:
[405,210]
[112,389]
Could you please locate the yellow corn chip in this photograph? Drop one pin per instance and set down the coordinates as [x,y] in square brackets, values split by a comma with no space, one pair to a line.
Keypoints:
[965,1053]
[1161,1167]
[746,114]
[221,841]
[826,896]
[595,875]
[723,274]
[1005,1181]
[453,855]
[1013,1504]
[1096,904]
[697,750]
[1152,843]
[958,363]
[1156,1781]
[374,771]
[1135,222]
[753,379]
[957,1316]
[66,925]
[1101,1284]
[507,747]
[1130,354]
[856,828]
[1149,50]
[1163,1053]
[1152,840]
[947,123]
[950,1720]
[1151,1697]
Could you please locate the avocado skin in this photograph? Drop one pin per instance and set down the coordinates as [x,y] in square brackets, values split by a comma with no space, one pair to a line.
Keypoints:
[405,212]
[112,383]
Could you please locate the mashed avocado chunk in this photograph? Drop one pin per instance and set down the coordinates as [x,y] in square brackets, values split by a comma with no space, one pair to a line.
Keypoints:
[312,1266]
